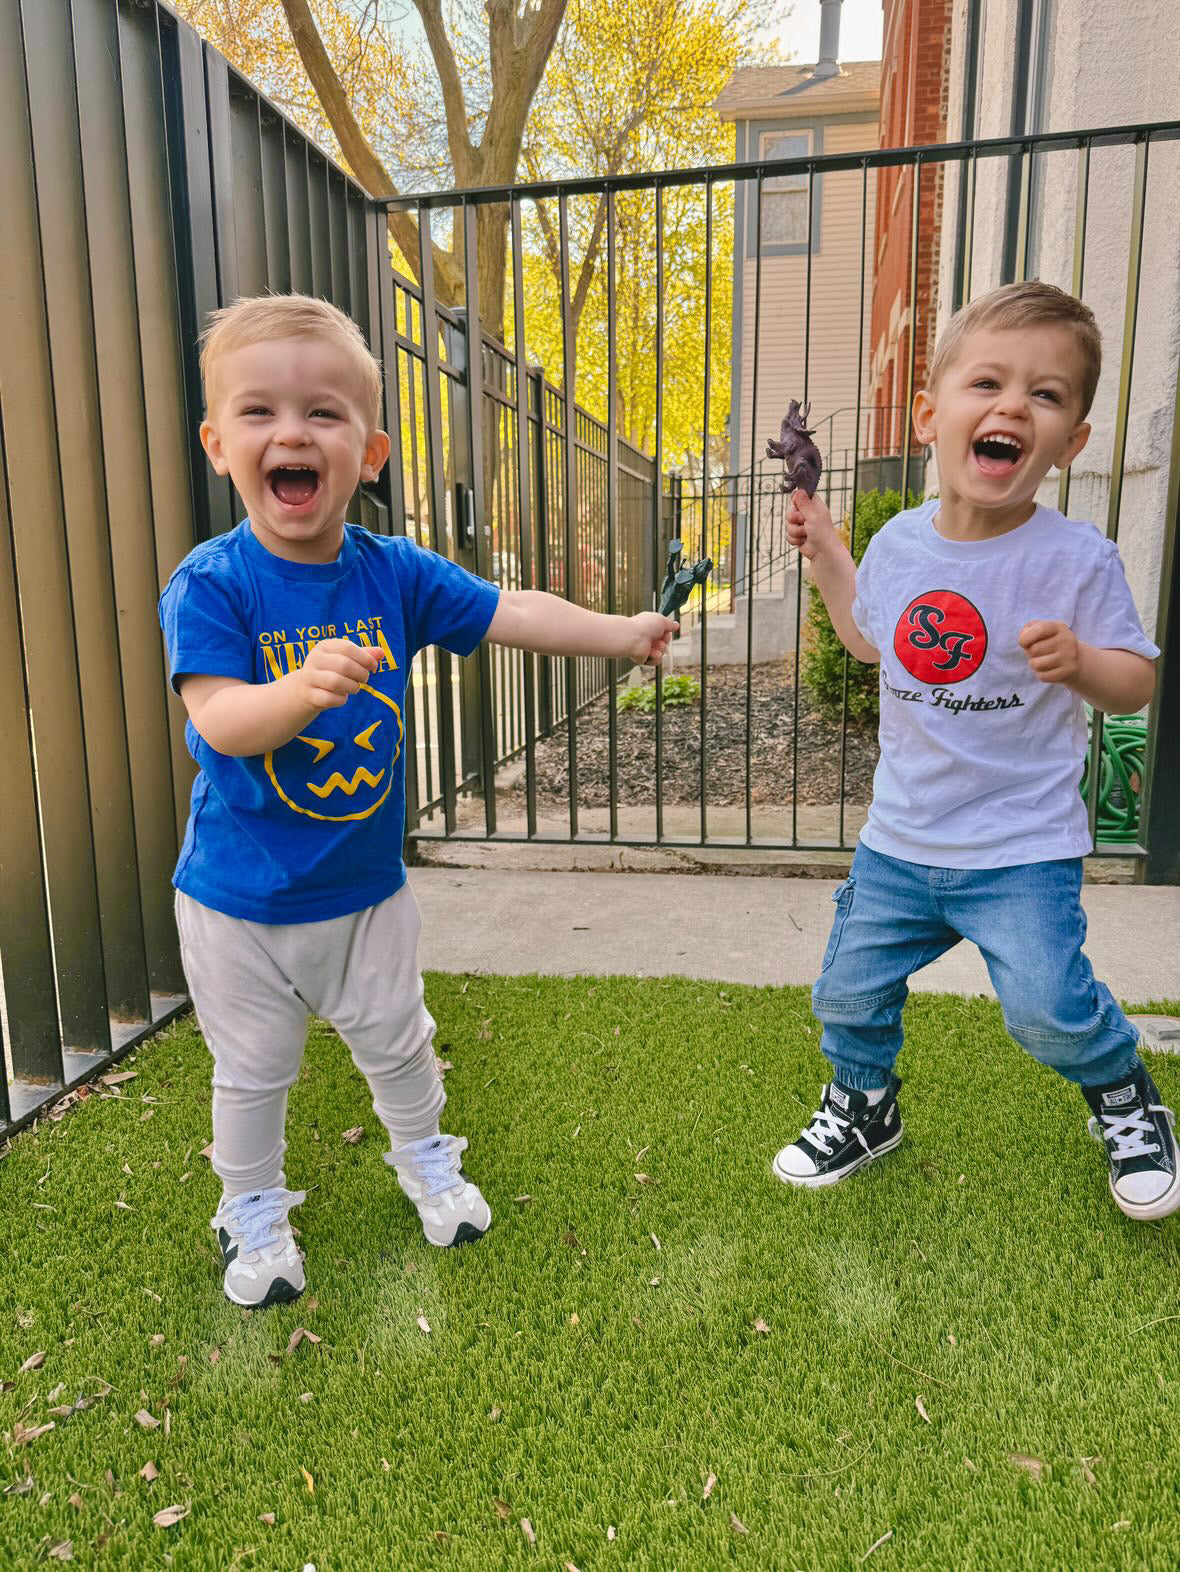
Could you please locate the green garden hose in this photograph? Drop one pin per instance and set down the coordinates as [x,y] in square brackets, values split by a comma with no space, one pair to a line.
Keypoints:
[1120,777]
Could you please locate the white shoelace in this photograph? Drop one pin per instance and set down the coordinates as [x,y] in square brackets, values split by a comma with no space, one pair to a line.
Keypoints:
[255,1218]
[436,1162]
[1125,1132]
[827,1126]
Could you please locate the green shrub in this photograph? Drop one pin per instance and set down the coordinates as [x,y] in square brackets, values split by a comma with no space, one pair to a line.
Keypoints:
[823,653]
[678,693]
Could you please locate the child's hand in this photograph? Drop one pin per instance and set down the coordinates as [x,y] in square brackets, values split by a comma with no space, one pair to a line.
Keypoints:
[1053,651]
[649,634]
[809,525]
[334,670]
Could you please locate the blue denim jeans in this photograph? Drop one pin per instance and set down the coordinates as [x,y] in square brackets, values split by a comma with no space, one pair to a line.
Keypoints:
[893,917]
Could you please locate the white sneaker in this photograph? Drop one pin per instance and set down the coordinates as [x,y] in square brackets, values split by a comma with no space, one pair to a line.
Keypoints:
[263,1264]
[451,1208]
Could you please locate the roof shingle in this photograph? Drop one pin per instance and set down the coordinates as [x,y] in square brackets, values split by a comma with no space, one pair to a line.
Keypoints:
[771,90]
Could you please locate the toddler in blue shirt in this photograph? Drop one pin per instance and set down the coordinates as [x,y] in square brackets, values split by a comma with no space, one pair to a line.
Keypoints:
[289,642]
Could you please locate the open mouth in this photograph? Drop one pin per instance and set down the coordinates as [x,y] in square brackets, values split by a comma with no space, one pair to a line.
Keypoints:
[295,485]
[997,454]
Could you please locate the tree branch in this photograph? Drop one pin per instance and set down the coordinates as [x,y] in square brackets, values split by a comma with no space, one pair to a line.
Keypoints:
[454,106]
[355,146]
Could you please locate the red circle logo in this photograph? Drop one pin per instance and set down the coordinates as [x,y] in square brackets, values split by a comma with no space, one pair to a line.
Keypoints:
[940,637]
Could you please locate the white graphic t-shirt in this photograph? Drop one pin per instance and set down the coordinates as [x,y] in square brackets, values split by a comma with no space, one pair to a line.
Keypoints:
[981,760]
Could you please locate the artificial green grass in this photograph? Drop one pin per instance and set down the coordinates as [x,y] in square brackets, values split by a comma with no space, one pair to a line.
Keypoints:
[576,1374]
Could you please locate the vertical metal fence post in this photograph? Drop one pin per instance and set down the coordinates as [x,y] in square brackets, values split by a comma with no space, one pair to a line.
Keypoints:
[704,550]
[437,494]
[657,501]
[1079,273]
[524,450]
[612,510]
[570,518]
[1118,456]
[860,328]
[484,692]
[751,528]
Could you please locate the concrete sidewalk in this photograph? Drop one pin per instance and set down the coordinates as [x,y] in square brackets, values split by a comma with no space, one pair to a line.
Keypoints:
[732,929]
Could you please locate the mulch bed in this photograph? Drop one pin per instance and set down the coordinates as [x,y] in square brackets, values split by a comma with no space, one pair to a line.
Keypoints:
[772,727]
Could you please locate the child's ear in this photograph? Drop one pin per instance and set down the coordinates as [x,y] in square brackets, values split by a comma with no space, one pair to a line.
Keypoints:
[211,442]
[923,415]
[376,452]
[1073,447]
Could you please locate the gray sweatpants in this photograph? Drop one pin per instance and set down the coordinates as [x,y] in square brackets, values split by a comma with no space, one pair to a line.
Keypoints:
[253,986]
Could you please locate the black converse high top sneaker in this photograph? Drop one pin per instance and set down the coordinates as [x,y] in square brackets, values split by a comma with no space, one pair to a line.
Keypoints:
[1136,1128]
[847,1132]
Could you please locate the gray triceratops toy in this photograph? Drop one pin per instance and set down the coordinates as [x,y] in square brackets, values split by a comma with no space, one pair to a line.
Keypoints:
[802,464]
[679,582]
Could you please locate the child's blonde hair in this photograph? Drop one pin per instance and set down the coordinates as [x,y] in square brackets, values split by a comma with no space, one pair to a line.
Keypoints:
[254,318]
[1020,306]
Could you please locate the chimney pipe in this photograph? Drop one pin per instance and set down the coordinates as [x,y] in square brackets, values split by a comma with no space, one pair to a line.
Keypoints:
[829,39]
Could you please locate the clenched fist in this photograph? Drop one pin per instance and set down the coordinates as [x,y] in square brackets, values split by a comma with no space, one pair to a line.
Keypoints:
[1053,651]
[334,670]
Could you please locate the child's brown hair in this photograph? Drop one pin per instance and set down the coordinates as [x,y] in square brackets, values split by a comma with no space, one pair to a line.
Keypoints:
[1025,305]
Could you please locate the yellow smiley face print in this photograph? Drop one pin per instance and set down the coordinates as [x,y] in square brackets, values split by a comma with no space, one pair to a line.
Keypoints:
[343,776]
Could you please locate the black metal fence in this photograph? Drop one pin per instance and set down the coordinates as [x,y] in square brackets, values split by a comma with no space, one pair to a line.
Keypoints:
[143,183]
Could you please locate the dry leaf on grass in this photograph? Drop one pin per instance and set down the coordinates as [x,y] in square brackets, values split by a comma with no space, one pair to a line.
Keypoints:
[485,1032]
[22,1435]
[215,1356]
[21,1487]
[169,1516]
[1123,1522]
[761,1326]
[522,1200]
[307,1480]
[156,1339]
[494,1414]
[268,1518]
[75,1501]
[921,1407]
[33,1362]
[119,1078]
[145,1420]
[63,1551]
[149,1471]
[503,1510]
[527,1530]
[423,1322]
[1088,1473]
[876,1544]
[611,1531]
[575,1319]
[298,1335]
[1034,1466]
[306,1397]
[354,1136]
[709,1486]
[569,1566]
[207,1151]
[656,1242]
[736,1525]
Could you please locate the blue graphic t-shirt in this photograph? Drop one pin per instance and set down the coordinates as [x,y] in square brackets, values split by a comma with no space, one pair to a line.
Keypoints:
[314,829]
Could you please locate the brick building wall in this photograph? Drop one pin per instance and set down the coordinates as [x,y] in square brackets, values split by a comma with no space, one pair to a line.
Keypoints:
[914,93]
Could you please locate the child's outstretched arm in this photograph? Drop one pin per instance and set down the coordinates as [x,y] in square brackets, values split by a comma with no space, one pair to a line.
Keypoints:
[811,531]
[548,625]
[243,719]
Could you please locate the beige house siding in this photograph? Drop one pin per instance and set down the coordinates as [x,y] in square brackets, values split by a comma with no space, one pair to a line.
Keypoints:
[835,345]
